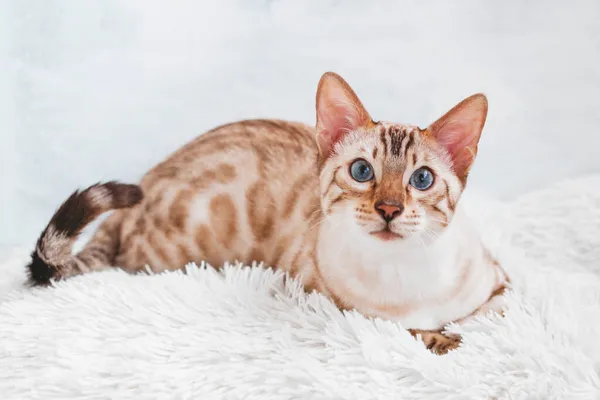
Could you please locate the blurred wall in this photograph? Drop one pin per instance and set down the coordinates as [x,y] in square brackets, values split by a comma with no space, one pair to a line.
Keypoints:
[105,89]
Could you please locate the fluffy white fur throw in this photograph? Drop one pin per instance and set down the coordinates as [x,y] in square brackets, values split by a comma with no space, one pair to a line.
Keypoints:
[243,333]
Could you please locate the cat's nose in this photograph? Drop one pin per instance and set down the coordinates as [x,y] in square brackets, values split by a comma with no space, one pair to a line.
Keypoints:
[388,209]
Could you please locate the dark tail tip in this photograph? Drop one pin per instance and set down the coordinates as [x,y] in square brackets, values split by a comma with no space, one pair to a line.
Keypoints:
[55,244]
[39,273]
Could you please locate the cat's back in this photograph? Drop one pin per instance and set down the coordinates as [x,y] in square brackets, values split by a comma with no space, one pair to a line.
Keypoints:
[262,146]
[246,190]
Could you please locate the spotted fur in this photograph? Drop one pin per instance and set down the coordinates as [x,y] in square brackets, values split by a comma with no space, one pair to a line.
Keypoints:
[281,193]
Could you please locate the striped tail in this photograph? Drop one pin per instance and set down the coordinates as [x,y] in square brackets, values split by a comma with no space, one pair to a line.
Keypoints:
[53,258]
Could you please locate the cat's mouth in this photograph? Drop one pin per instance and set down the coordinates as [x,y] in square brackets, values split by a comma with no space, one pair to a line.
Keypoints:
[386,234]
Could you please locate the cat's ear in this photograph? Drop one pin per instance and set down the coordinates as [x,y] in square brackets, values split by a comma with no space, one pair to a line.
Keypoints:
[459,131]
[339,111]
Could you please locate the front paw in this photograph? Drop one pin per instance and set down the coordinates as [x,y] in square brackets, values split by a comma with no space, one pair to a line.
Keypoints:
[436,341]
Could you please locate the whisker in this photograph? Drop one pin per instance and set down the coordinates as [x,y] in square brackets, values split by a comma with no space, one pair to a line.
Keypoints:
[318,210]
[366,219]
[410,223]
[317,224]
[431,233]
[438,220]
[423,245]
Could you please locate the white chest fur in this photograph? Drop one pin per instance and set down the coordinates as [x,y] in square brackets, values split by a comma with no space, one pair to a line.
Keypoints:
[422,287]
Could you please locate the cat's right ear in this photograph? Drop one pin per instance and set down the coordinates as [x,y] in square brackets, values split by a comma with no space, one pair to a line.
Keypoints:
[339,111]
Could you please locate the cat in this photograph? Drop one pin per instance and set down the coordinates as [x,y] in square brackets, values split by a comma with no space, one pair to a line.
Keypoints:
[364,212]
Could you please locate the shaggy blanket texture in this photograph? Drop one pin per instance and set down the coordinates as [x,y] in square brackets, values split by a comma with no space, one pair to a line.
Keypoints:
[247,333]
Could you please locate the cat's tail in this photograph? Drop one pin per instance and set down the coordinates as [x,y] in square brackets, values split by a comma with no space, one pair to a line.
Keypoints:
[53,259]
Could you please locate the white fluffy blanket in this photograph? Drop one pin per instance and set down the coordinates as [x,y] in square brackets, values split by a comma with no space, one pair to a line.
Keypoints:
[242,333]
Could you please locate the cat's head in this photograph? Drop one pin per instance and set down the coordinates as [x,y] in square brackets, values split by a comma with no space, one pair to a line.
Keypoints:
[392,181]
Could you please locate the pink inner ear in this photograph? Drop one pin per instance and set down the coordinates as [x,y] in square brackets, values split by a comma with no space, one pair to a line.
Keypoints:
[336,121]
[459,132]
[339,111]
[455,137]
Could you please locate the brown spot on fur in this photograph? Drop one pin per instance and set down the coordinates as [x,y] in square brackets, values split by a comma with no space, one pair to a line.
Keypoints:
[294,265]
[282,246]
[140,224]
[261,211]
[203,180]
[414,159]
[262,157]
[134,228]
[178,211]
[383,141]
[396,138]
[409,144]
[225,173]
[157,247]
[141,258]
[204,240]
[375,152]
[222,174]
[257,255]
[223,219]
[159,221]
[295,192]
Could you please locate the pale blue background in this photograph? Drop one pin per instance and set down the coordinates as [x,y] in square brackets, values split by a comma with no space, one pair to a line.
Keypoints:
[105,89]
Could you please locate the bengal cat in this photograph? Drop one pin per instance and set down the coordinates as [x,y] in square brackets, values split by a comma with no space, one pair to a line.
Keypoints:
[364,212]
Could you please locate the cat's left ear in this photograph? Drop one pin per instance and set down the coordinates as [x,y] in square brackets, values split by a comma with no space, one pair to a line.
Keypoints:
[459,131]
[339,111]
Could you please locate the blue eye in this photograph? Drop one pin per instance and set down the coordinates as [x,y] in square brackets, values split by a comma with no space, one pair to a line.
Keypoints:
[361,171]
[422,179]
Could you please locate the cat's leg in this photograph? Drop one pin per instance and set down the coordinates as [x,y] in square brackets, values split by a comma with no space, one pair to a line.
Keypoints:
[440,343]
[495,303]
[436,341]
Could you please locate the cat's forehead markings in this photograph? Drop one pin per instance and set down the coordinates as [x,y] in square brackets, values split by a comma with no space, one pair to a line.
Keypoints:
[390,139]
[397,138]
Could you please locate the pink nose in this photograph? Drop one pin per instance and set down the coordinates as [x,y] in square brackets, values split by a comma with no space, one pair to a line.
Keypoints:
[388,209]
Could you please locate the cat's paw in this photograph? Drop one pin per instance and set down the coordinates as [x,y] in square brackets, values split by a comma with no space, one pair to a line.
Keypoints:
[436,341]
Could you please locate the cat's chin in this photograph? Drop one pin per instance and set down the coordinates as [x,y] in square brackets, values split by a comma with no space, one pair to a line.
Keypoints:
[386,235]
